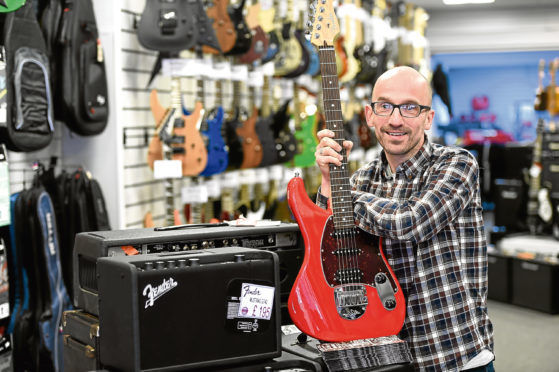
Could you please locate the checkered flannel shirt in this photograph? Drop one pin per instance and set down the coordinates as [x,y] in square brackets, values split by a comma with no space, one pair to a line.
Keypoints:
[432,209]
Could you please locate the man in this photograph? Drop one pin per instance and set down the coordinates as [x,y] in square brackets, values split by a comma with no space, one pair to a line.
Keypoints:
[424,200]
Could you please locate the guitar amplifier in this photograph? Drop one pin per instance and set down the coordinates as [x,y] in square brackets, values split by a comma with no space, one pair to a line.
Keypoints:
[188,310]
[284,239]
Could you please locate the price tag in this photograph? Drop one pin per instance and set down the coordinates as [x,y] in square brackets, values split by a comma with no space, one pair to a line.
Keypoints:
[256,78]
[214,188]
[167,169]
[239,72]
[194,194]
[230,179]
[184,67]
[222,70]
[257,301]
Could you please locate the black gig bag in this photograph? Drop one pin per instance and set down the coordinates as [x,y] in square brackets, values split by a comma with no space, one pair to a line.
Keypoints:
[29,112]
[82,101]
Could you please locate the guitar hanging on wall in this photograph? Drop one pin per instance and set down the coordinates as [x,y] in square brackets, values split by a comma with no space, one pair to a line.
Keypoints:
[345,289]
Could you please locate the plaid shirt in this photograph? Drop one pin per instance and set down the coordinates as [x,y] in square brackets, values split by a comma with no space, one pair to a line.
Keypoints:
[431,209]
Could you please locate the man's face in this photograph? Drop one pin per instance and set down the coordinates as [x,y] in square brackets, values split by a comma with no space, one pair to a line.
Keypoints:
[399,136]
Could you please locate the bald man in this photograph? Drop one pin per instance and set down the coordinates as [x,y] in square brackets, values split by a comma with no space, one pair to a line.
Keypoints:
[424,200]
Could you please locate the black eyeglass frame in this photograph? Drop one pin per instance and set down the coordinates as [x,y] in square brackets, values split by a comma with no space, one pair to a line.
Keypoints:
[394,106]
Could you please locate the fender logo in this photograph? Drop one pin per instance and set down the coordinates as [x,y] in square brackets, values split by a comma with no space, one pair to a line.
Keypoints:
[153,293]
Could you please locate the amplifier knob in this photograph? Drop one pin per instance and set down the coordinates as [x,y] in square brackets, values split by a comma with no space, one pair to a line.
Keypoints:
[225,242]
[211,243]
[194,262]
[204,244]
[171,264]
[239,257]
[159,265]
[148,266]
[182,262]
[194,246]
[234,242]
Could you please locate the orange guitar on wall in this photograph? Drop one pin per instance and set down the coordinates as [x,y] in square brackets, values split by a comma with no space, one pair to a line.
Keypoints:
[188,144]
[345,289]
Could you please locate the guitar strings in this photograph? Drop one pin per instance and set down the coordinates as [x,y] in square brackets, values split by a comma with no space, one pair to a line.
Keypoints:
[348,260]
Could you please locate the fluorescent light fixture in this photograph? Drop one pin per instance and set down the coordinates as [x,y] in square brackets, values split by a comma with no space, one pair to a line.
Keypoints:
[462,2]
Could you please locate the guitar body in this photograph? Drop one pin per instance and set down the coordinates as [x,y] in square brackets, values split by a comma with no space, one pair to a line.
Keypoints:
[341,57]
[218,158]
[234,141]
[290,53]
[273,46]
[258,46]
[286,143]
[320,318]
[195,155]
[252,148]
[267,141]
[167,27]
[206,33]
[244,35]
[305,55]
[223,27]
[11,6]
[372,64]
[306,142]
[314,62]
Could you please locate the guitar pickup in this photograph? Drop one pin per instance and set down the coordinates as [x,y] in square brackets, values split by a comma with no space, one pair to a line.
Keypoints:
[176,140]
[168,21]
[178,150]
[178,123]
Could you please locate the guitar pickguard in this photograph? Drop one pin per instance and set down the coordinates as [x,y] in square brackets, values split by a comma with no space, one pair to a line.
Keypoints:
[351,257]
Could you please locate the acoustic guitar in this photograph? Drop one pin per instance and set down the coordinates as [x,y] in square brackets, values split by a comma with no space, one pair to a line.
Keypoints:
[345,289]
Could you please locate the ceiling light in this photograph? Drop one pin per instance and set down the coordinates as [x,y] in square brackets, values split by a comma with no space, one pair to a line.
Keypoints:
[461,2]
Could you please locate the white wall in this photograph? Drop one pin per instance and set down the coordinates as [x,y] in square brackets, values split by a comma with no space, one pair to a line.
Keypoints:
[493,30]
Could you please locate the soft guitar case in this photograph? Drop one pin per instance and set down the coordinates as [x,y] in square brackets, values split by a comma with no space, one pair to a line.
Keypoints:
[82,95]
[29,114]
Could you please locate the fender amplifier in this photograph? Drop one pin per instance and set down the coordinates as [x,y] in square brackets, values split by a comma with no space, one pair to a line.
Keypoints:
[186,310]
[284,239]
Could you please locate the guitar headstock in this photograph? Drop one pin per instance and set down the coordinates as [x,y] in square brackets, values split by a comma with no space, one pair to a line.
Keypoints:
[325,26]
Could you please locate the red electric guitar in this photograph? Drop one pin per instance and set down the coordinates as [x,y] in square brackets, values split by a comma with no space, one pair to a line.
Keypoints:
[345,289]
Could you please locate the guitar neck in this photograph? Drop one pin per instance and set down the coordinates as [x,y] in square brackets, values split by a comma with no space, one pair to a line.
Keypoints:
[176,100]
[339,175]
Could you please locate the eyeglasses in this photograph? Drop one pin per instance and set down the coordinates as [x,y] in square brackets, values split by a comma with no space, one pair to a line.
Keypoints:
[407,110]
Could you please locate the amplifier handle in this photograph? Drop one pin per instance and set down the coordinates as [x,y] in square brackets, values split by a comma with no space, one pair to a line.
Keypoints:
[187,226]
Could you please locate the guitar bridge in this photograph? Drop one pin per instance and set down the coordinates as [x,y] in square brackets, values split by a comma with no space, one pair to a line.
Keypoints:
[351,300]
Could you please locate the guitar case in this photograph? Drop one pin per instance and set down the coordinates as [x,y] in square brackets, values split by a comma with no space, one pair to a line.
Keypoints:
[29,124]
[82,97]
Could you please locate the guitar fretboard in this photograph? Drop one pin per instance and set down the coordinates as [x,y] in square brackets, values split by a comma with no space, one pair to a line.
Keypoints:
[339,175]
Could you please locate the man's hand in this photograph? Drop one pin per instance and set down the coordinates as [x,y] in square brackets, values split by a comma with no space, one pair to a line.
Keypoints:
[328,151]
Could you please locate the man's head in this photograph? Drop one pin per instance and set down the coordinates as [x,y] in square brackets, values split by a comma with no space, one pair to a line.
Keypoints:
[401,137]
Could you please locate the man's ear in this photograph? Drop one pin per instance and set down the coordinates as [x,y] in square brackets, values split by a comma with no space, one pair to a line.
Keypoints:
[429,121]
[369,115]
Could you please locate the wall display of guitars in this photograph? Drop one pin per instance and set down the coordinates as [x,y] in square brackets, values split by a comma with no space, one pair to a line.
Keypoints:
[246,93]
